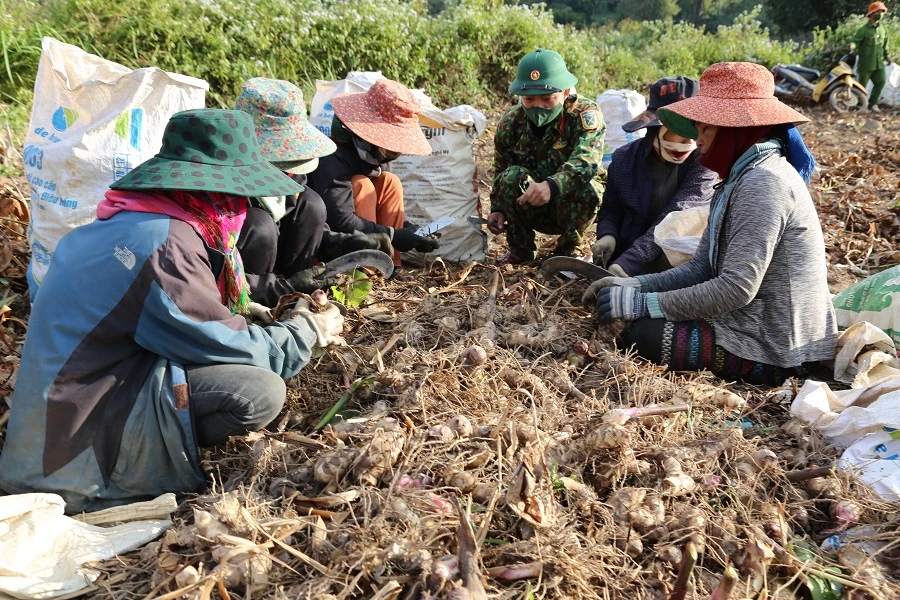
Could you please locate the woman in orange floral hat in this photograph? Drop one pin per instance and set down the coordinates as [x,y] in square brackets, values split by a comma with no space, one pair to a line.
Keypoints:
[371,129]
[753,302]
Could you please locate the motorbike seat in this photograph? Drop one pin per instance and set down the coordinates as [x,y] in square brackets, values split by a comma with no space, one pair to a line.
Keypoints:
[805,72]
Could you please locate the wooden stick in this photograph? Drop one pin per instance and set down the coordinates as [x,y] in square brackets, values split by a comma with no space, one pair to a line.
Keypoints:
[807,474]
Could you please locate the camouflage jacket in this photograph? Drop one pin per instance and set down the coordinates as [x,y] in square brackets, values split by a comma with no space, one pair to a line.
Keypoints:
[568,152]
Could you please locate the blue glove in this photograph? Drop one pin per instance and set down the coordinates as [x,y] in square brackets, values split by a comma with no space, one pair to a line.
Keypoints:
[620,303]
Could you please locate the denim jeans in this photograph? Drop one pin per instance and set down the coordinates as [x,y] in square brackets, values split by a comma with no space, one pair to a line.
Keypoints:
[232,400]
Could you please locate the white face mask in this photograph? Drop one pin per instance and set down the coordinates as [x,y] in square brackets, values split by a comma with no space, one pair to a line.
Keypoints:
[672,152]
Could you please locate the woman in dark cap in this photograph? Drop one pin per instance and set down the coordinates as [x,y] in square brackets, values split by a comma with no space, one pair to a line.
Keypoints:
[648,179]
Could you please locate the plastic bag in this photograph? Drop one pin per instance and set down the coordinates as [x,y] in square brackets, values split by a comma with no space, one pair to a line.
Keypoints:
[619,107]
[442,184]
[92,122]
[863,420]
[679,233]
[890,95]
[43,553]
[875,299]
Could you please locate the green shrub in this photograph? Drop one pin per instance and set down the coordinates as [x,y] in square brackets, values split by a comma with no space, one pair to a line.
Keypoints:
[464,54]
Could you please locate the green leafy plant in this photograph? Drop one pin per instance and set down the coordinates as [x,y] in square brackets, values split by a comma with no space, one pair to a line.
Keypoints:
[354,292]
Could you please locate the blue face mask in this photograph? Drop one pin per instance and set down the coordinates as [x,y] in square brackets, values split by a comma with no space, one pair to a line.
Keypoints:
[541,116]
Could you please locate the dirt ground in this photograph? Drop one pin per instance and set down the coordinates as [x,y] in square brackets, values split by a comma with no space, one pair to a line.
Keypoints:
[486,444]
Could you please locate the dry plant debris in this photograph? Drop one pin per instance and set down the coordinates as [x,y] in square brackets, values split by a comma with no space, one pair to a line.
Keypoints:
[493,444]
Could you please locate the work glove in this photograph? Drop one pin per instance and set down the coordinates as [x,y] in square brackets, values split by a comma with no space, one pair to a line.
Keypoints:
[589,298]
[620,303]
[311,279]
[326,321]
[603,249]
[406,239]
[366,241]
[617,270]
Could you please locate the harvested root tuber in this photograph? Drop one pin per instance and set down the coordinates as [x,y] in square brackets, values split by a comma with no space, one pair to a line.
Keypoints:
[460,426]
[823,487]
[638,508]
[700,393]
[621,416]
[475,355]
[461,480]
[333,465]
[845,514]
[629,541]
[607,435]
[379,456]
[676,482]
[441,433]
[755,462]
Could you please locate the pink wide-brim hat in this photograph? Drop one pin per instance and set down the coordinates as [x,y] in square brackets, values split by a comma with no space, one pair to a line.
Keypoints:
[385,115]
[733,94]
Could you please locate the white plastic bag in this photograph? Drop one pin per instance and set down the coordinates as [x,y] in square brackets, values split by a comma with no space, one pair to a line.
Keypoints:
[890,95]
[679,233]
[875,460]
[43,552]
[619,107]
[321,112]
[865,420]
[92,122]
[442,184]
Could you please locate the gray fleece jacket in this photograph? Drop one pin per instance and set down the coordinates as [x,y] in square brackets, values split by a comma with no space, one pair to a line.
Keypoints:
[765,288]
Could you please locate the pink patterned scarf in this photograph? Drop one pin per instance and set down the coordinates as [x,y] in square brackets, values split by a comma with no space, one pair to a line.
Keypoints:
[217,218]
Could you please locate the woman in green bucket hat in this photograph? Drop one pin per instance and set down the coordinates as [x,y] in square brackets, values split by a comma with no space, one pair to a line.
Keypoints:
[284,235]
[137,352]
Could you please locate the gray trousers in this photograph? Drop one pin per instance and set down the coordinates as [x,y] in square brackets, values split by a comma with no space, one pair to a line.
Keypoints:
[231,400]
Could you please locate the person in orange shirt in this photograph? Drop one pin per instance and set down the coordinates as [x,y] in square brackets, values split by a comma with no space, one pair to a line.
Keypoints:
[371,129]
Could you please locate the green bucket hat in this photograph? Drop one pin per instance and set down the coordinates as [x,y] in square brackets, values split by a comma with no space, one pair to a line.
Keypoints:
[210,150]
[542,72]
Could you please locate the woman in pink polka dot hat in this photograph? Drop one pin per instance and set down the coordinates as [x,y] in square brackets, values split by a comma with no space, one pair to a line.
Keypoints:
[753,302]
[371,129]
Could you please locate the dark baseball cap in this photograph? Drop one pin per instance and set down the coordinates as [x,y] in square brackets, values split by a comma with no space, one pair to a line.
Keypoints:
[667,90]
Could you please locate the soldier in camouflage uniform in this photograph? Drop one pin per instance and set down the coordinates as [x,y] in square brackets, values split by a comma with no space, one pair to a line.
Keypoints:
[547,160]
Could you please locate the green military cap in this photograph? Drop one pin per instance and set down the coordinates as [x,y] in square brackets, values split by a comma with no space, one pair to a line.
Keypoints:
[542,72]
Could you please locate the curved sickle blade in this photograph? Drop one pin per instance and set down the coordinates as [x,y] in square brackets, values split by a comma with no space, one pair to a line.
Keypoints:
[374,259]
[553,266]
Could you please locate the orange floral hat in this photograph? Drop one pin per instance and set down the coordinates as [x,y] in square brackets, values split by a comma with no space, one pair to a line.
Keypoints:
[733,94]
[385,115]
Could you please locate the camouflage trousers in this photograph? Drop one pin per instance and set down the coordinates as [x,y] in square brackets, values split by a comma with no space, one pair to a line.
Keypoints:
[566,216]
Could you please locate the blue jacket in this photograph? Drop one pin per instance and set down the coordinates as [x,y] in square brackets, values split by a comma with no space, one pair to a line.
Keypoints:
[101,412]
[625,212]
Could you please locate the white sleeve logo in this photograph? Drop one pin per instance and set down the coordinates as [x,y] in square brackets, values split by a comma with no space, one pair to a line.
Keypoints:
[126,257]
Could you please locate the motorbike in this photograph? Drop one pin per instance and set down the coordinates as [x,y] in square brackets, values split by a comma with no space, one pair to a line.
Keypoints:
[839,86]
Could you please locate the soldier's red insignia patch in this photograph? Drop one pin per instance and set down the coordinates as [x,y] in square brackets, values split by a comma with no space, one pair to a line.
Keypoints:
[535,75]
[590,119]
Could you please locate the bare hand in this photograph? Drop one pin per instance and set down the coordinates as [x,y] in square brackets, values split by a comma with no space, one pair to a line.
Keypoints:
[537,194]
[495,222]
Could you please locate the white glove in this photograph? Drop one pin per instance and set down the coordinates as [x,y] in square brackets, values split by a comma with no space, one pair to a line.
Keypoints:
[617,270]
[603,249]
[589,298]
[328,322]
